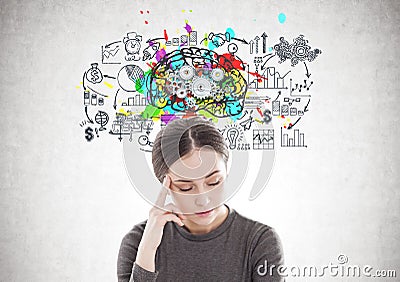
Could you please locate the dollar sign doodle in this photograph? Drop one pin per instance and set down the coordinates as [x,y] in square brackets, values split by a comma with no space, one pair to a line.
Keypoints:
[267,116]
[95,76]
[89,134]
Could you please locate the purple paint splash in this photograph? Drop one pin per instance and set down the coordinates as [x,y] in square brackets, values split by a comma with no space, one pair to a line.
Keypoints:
[188,28]
[166,118]
[160,54]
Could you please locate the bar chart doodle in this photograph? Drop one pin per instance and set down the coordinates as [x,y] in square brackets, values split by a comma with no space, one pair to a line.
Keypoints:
[137,100]
[296,141]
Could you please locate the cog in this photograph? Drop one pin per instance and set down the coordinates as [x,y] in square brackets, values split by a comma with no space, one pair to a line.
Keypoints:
[217,74]
[202,88]
[186,72]
[173,83]
[181,92]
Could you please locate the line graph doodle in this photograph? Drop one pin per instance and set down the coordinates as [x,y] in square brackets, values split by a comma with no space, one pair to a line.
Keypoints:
[263,139]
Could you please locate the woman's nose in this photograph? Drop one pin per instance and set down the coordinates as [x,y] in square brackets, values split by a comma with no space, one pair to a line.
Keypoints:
[202,200]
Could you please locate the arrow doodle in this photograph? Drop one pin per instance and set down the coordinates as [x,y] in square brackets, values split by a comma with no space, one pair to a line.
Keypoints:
[91,121]
[251,46]
[291,125]
[307,73]
[257,39]
[264,37]
[115,100]
[306,107]
[241,40]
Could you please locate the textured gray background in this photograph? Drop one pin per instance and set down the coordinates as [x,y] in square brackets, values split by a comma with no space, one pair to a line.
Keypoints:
[65,204]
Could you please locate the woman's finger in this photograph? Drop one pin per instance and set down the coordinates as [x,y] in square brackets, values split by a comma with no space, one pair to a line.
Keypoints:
[171,217]
[163,193]
[174,209]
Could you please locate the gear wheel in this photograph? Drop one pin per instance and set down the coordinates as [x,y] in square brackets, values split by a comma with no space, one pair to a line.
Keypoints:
[174,83]
[181,92]
[217,74]
[202,88]
[186,72]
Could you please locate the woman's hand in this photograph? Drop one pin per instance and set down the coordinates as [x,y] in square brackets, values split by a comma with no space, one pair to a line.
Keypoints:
[153,231]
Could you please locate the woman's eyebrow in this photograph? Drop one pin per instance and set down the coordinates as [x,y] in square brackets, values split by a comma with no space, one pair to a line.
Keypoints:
[211,174]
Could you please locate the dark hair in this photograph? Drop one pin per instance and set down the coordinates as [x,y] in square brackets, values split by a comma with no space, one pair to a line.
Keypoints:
[189,133]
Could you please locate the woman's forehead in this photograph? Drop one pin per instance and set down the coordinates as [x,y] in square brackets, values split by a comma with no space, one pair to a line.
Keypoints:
[197,164]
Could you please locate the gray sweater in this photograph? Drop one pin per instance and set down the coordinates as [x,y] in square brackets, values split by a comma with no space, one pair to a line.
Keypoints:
[240,249]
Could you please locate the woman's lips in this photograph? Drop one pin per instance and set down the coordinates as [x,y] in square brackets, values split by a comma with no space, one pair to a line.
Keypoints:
[205,213]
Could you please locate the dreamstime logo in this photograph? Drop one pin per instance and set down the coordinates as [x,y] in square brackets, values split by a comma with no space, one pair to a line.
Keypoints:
[339,269]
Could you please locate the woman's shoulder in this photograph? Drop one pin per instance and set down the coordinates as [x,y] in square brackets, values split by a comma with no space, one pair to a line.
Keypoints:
[256,230]
[263,239]
[135,233]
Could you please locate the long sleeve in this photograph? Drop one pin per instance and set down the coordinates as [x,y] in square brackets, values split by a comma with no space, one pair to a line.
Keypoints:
[267,256]
[140,274]
[127,269]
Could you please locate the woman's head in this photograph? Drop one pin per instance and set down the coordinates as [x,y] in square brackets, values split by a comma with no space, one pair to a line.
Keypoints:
[181,137]
[193,154]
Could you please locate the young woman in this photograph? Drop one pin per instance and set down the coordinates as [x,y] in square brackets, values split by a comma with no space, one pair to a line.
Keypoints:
[197,238]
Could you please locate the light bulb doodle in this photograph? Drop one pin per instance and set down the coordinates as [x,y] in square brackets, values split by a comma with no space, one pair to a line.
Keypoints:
[232,135]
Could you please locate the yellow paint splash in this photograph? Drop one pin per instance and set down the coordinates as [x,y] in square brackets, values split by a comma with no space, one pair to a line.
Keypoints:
[122,111]
[108,84]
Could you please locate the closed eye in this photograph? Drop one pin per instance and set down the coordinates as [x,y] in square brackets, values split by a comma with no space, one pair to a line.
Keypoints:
[185,190]
[214,184]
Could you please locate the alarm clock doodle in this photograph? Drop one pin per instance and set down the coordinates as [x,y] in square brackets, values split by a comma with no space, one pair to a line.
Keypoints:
[132,46]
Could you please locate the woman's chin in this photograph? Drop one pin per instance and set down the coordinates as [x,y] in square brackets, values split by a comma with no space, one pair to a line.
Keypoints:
[204,218]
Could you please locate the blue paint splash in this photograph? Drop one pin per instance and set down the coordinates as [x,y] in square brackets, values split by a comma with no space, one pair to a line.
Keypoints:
[231,32]
[282,18]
